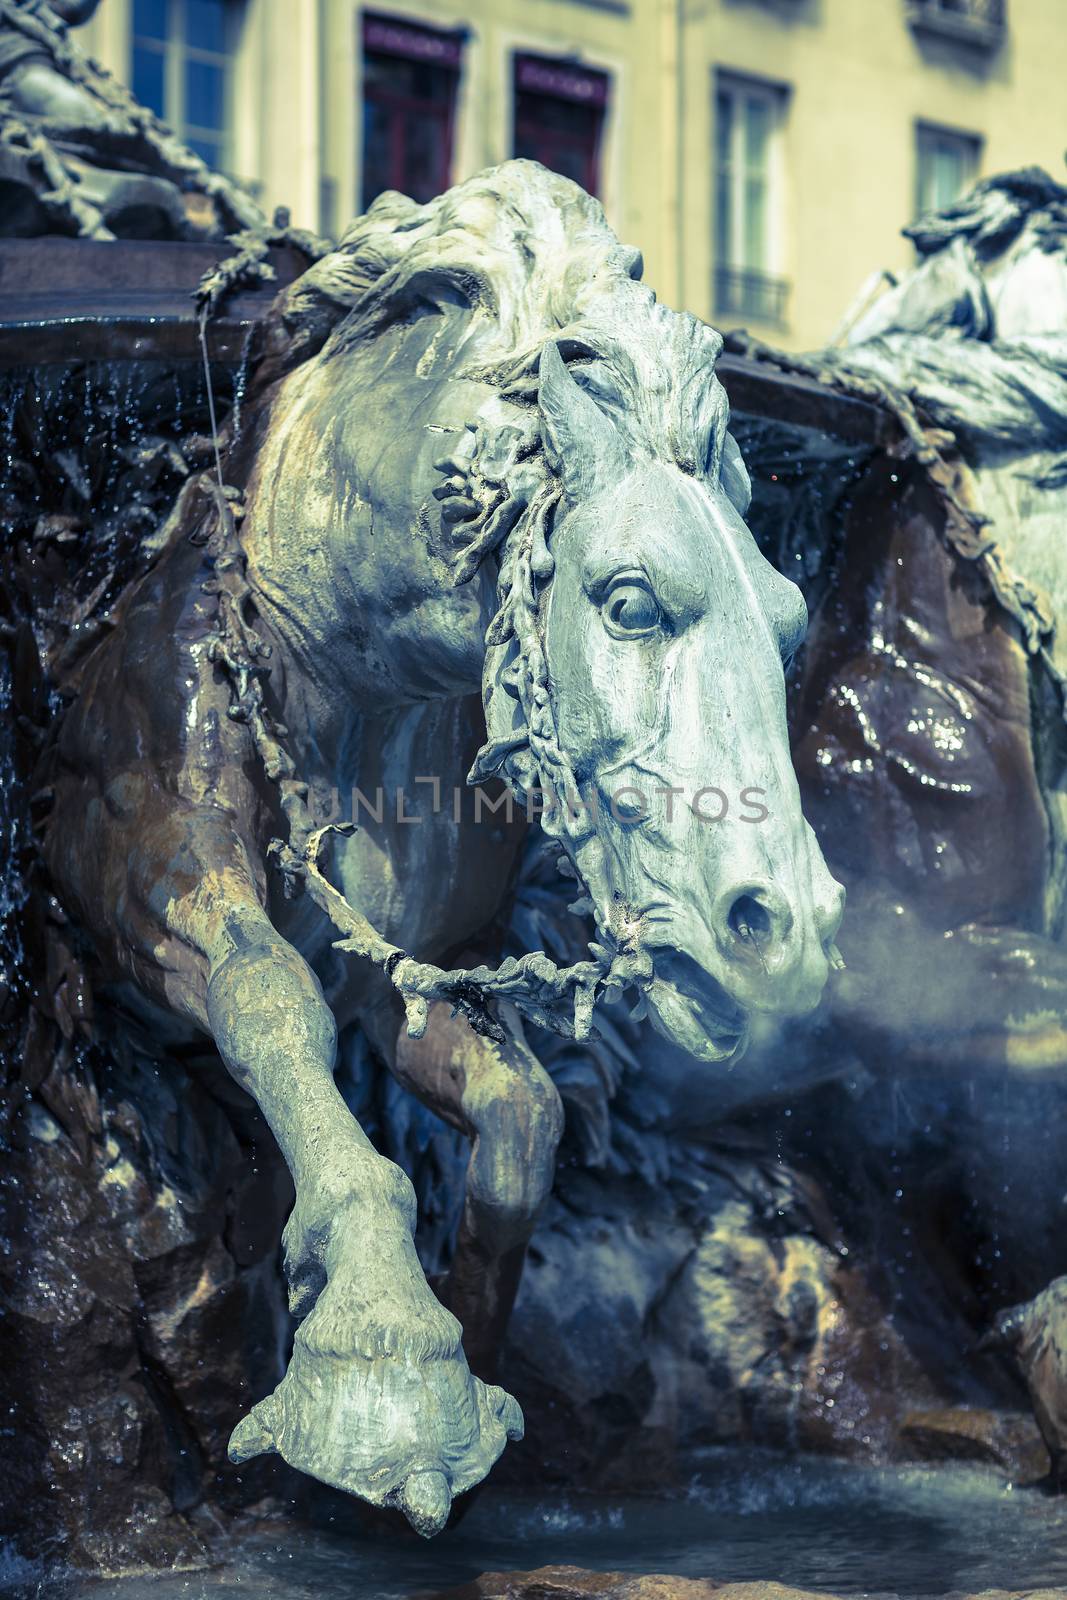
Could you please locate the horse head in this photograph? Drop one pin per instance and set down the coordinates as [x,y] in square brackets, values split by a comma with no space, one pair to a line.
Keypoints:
[635,680]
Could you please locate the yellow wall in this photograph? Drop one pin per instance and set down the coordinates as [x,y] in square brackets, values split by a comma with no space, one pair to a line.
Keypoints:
[860,78]
[857,79]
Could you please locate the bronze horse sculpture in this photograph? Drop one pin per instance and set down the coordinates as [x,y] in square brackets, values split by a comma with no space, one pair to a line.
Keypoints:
[488,460]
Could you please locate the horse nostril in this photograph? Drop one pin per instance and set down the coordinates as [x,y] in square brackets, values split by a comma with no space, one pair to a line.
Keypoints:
[749,920]
[754,922]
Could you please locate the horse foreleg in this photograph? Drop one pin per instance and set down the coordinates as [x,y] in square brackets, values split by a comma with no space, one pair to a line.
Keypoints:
[378,1398]
[501,1097]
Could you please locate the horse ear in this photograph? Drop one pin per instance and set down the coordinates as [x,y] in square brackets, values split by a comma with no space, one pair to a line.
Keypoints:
[733,475]
[581,441]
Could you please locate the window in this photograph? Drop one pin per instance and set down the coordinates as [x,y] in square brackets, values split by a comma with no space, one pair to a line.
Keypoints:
[748,119]
[978,22]
[410,78]
[946,164]
[182,54]
[559,117]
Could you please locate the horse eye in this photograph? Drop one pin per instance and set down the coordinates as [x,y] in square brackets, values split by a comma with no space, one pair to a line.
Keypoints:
[631,608]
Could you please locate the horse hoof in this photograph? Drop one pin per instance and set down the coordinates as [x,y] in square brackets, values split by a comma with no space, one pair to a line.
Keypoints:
[253,1435]
[426,1501]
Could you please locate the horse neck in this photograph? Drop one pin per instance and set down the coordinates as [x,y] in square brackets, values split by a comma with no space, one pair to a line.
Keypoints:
[346,553]
[334,692]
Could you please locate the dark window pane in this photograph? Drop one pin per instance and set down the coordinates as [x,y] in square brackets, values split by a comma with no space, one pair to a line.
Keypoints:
[433,84]
[148,78]
[205,24]
[150,18]
[569,161]
[409,80]
[724,126]
[562,135]
[561,116]
[407,116]
[204,94]
[387,74]
[423,145]
[376,173]
[525,146]
[209,150]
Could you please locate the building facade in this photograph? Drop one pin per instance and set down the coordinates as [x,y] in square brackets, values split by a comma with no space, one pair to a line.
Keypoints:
[763,154]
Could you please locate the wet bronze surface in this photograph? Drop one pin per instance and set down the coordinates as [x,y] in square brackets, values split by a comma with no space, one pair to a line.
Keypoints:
[912,743]
[913,720]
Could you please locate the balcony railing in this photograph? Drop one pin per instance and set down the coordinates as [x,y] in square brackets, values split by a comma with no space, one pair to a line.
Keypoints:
[980,22]
[740,293]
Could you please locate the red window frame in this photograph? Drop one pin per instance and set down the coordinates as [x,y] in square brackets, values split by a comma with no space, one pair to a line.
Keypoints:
[542,79]
[395,38]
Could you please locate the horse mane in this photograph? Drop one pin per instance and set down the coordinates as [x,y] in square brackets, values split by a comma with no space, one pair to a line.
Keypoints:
[528,258]
[532,257]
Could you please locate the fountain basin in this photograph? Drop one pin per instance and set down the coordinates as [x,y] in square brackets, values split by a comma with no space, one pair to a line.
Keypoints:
[745,1517]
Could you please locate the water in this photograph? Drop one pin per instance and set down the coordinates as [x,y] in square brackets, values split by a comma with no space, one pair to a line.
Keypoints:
[845,1530]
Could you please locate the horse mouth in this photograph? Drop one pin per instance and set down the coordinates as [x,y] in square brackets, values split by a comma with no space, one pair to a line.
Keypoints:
[688,1006]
